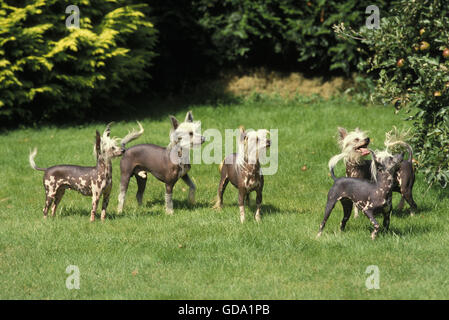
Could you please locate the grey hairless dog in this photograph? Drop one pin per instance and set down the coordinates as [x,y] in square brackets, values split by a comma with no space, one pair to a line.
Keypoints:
[370,197]
[166,164]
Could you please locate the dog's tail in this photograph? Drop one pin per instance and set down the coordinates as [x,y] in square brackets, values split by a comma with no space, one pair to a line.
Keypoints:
[395,137]
[404,144]
[221,166]
[410,151]
[133,135]
[31,160]
[333,162]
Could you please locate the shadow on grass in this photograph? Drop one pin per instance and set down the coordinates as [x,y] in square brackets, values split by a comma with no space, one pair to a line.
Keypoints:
[73,212]
[266,208]
[408,230]
[406,212]
[111,213]
[137,107]
[393,231]
[442,194]
[179,204]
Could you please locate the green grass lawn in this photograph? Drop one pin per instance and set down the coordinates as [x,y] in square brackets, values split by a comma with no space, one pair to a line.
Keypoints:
[199,253]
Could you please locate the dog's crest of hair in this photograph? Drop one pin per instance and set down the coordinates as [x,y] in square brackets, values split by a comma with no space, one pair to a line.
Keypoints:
[346,145]
[381,156]
[183,129]
[106,142]
[242,146]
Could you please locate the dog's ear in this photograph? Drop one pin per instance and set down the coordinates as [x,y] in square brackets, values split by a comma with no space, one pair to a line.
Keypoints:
[189,117]
[107,131]
[242,134]
[342,132]
[174,122]
[97,142]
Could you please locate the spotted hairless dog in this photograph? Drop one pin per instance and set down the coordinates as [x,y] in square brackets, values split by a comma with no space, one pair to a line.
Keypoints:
[370,197]
[243,170]
[89,181]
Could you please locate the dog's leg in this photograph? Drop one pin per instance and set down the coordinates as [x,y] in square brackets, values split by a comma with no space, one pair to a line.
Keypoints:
[141,178]
[370,215]
[58,197]
[168,198]
[356,211]
[95,200]
[409,198]
[192,188]
[258,203]
[221,189]
[329,206]
[48,201]
[242,194]
[247,199]
[124,182]
[106,194]
[347,208]
[387,215]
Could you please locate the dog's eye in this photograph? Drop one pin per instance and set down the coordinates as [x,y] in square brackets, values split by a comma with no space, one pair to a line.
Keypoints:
[191,133]
[357,139]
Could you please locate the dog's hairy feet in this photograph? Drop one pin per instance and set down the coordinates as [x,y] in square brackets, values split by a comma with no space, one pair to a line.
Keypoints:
[319,234]
[257,216]
[217,205]
[169,211]
[374,233]
[242,214]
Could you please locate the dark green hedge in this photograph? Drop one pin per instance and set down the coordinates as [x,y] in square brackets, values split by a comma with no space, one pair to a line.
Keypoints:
[283,32]
[124,46]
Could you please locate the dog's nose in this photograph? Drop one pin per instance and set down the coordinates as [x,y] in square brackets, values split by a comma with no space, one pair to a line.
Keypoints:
[367,140]
[268,142]
[203,139]
[123,150]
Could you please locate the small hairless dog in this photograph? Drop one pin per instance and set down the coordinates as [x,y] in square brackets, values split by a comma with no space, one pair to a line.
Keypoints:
[370,197]
[243,170]
[166,164]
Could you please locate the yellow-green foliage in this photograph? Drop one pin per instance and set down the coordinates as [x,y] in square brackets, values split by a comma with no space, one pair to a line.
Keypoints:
[46,67]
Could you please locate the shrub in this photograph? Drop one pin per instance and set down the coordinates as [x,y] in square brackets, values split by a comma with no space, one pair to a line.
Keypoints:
[271,32]
[47,69]
[410,60]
